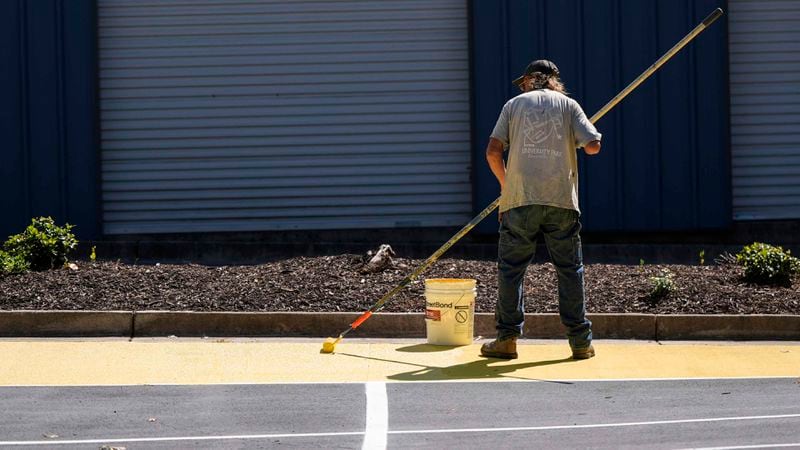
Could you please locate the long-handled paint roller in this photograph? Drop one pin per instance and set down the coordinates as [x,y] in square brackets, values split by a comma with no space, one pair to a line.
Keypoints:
[330,343]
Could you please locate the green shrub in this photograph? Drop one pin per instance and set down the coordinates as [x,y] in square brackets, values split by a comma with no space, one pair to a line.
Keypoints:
[12,263]
[767,264]
[662,285]
[43,245]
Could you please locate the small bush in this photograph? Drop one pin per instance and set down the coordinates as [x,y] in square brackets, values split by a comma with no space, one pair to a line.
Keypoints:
[43,245]
[662,285]
[12,263]
[767,264]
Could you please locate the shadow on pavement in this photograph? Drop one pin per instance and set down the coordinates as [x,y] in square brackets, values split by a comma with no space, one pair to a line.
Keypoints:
[474,370]
[427,348]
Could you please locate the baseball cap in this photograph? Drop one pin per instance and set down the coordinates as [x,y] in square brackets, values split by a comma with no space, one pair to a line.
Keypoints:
[540,65]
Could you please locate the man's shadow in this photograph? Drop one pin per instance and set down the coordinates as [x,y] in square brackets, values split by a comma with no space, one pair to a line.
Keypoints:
[484,368]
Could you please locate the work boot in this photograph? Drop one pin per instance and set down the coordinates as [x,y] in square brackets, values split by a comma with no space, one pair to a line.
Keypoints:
[505,348]
[583,353]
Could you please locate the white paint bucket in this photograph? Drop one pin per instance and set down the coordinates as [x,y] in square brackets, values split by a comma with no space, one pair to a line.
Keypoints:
[450,310]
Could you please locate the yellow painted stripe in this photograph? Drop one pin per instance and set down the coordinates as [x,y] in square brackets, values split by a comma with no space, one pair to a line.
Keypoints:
[103,362]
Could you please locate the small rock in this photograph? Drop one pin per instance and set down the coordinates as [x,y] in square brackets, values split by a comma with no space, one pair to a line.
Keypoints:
[152,419]
[72,266]
[50,435]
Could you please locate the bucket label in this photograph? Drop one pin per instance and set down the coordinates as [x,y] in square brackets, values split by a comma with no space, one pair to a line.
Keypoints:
[433,314]
[440,305]
[461,316]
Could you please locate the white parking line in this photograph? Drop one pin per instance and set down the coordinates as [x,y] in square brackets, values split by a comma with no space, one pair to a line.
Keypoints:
[595,425]
[179,438]
[738,447]
[454,381]
[460,380]
[377,416]
[377,426]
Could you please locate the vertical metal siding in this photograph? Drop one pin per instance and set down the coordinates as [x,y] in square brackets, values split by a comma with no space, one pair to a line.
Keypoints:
[47,111]
[664,163]
[765,108]
[13,177]
[265,115]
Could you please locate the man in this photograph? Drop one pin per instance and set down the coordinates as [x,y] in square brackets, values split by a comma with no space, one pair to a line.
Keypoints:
[542,128]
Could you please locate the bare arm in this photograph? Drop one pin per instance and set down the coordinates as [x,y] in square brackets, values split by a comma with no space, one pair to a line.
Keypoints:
[592,148]
[494,156]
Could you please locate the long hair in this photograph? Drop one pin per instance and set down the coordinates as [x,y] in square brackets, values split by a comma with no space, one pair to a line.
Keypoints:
[552,82]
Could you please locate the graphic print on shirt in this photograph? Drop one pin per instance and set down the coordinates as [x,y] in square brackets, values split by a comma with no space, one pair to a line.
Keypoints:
[543,130]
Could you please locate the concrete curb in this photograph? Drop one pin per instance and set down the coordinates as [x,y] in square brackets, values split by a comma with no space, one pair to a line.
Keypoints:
[381,325]
[65,323]
[164,323]
[751,327]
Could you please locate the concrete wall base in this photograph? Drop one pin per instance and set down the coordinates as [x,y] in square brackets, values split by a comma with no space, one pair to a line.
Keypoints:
[381,325]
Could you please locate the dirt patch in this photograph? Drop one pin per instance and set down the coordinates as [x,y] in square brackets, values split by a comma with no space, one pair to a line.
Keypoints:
[334,283]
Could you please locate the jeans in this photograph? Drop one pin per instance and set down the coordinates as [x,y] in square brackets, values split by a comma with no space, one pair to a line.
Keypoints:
[519,229]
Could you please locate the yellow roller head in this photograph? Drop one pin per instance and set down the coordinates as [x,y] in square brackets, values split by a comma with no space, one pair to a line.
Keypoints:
[329,345]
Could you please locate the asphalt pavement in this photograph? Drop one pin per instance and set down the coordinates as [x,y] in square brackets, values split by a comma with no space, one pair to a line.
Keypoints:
[172,393]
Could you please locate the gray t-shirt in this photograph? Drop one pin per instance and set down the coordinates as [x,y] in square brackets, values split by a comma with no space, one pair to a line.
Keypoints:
[542,130]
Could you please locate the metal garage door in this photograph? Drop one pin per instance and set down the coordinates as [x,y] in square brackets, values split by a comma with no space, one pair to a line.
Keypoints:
[765,108]
[266,115]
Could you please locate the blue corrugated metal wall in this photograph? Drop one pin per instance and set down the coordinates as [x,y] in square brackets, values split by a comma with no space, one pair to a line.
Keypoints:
[48,114]
[665,159]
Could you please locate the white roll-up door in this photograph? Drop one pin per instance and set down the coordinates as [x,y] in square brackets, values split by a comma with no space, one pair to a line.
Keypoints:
[241,115]
[765,108]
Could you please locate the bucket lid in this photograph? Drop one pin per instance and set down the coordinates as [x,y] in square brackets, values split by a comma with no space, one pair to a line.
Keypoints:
[450,283]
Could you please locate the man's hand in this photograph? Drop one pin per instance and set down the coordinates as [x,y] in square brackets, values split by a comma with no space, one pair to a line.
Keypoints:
[592,148]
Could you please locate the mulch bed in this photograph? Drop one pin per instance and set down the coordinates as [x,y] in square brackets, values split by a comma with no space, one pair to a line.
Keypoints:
[334,283]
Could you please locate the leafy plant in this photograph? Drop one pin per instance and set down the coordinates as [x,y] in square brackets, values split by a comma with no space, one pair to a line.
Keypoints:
[12,263]
[767,264]
[43,245]
[93,255]
[662,285]
[702,256]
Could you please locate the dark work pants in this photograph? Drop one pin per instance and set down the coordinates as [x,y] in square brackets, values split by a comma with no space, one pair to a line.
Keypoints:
[519,229]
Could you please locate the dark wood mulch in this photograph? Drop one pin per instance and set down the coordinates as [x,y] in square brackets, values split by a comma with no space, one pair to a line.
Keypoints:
[333,283]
